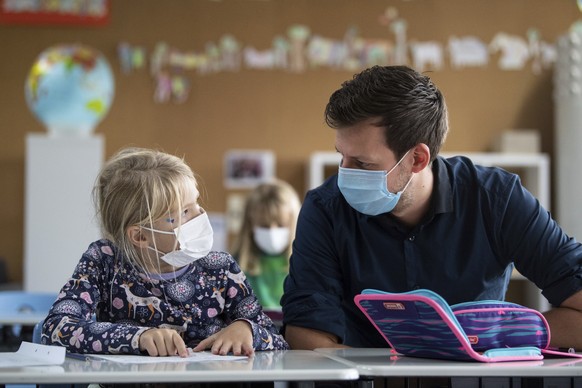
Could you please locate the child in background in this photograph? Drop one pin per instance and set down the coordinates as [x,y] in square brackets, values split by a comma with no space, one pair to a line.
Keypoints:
[152,282]
[263,246]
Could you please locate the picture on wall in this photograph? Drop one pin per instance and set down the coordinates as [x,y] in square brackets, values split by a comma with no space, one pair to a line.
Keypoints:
[79,12]
[247,168]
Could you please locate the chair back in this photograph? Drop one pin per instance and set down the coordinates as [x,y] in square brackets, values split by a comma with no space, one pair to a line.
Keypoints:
[19,311]
[37,332]
[25,302]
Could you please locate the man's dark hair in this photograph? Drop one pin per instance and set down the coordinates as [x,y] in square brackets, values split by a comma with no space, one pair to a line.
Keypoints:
[406,103]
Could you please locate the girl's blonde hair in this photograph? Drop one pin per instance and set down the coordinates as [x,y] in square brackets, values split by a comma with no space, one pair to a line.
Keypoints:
[138,186]
[267,203]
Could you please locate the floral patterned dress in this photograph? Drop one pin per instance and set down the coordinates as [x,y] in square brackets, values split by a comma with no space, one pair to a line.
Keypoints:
[107,304]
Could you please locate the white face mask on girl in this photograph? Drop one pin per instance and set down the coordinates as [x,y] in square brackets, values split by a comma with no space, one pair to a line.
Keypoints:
[272,241]
[195,238]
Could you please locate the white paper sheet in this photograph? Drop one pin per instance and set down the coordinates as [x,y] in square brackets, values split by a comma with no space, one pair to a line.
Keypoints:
[131,359]
[30,354]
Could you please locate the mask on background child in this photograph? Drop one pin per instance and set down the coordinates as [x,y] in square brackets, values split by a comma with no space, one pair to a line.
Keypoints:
[272,241]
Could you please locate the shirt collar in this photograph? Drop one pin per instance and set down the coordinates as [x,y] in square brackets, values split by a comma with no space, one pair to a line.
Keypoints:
[442,194]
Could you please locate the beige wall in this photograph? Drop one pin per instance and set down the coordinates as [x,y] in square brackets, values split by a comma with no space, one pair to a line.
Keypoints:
[268,109]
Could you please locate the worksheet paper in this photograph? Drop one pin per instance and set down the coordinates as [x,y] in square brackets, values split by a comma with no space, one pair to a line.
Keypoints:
[130,359]
[29,354]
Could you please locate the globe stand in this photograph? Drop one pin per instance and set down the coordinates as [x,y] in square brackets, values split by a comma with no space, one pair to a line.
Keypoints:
[77,130]
[59,215]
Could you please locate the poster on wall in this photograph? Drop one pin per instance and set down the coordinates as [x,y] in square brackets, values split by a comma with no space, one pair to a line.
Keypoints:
[244,169]
[78,12]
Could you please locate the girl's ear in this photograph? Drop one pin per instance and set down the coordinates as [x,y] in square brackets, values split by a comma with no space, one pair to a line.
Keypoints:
[137,238]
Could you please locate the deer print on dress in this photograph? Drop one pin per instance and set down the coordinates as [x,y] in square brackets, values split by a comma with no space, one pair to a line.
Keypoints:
[57,334]
[217,294]
[180,329]
[77,282]
[134,301]
[239,279]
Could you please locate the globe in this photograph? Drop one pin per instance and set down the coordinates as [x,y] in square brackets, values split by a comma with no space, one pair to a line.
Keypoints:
[70,89]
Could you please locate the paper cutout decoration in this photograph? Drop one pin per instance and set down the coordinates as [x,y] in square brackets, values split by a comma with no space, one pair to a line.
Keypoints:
[398,27]
[230,53]
[256,59]
[298,35]
[467,51]
[300,50]
[427,55]
[514,51]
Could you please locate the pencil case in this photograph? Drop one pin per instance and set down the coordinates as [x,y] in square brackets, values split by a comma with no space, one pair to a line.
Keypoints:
[421,323]
[494,324]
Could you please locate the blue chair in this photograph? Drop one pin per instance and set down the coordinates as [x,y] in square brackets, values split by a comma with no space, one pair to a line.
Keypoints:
[23,302]
[22,309]
[37,332]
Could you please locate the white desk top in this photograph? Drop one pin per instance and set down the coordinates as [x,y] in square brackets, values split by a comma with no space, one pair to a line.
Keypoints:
[379,362]
[21,319]
[290,365]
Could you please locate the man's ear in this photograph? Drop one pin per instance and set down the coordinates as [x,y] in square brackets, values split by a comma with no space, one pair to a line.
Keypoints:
[421,157]
[137,238]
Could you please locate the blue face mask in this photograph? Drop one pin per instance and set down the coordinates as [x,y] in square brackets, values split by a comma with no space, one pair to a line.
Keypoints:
[367,191]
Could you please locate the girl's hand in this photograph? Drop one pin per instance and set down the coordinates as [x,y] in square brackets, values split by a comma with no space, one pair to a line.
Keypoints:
[236,337]
[162,342]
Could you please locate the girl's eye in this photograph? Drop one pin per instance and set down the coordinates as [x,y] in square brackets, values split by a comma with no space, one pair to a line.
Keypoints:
[171,220]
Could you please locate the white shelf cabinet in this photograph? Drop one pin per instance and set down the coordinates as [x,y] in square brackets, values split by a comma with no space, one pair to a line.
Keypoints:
[534,169]
[59,217]
[568,132]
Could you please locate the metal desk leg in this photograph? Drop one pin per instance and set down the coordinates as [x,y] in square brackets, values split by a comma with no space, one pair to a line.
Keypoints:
[465,382]
[304,384]
[365,383]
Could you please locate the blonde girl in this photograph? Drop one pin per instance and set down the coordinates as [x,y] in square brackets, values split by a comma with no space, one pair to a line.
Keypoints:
[263,246]
[152,285]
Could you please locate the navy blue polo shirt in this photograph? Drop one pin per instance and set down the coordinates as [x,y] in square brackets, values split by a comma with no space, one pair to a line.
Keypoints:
[480,224]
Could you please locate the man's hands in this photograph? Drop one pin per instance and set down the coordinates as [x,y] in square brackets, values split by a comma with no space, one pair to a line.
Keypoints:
[309,339]
[162,342]
[236,337]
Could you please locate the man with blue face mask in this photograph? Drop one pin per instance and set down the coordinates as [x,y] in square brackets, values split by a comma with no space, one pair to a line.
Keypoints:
[398,217]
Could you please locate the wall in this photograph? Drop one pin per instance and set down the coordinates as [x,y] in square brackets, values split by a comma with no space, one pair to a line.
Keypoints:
[259,109]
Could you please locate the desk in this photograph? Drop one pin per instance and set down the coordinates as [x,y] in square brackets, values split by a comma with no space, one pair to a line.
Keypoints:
[21,319]
[284,365]
[379,363]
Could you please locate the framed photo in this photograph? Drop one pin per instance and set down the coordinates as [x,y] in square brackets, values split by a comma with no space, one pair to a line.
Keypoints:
[79,12]
[247,168]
